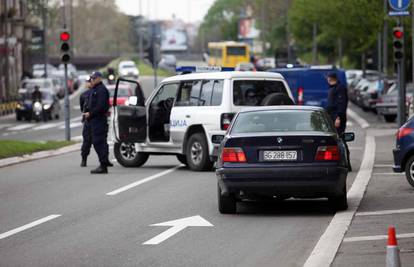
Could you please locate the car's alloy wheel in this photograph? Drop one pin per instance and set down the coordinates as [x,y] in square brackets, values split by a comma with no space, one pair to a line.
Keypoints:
[197,153]
[409,171]
[127,156]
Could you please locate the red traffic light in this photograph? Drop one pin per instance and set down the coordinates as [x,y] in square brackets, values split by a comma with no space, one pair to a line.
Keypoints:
[398,34]
[64,36]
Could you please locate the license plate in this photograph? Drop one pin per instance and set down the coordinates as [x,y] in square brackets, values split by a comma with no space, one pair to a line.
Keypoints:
[392,110]
[280,155]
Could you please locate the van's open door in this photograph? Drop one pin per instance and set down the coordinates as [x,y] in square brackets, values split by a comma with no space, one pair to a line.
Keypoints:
[130,121]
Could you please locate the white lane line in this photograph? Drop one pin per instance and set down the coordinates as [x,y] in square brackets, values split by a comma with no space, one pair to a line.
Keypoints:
[72,125]
[384,212]
[355,148]
[2,126]
[383,166]
[349,124]
[21,127]
[143,181]
[47,126]
[389,173]
[29,225]
[375,237]
[79,118]
[325,250]
[361,121]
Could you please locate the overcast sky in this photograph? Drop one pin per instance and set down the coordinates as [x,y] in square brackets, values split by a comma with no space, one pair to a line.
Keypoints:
[187,10]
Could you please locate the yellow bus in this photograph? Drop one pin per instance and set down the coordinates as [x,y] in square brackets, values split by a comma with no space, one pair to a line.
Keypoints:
[228,54]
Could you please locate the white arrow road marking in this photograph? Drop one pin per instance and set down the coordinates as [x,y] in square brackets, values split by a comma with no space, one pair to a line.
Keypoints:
[29,225]
[176,227]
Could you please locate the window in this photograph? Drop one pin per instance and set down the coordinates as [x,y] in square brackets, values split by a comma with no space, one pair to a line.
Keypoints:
[184,95]
[167,91]
[217,93]
[252,92]
[206,93]
[282,121]
[236,51]
[195,93]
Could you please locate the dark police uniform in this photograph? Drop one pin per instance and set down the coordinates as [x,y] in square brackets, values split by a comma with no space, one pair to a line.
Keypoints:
[98,109]
[338,104]
[86,131]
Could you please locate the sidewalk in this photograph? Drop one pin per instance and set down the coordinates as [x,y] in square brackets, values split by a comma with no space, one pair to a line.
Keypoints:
[365,242]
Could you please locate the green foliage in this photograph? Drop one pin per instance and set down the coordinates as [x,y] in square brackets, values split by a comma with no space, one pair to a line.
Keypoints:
[11,148]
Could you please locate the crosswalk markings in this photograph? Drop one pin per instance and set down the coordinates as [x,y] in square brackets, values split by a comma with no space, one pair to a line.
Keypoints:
[2,126]
[72,125]
[21,127]
[47,126]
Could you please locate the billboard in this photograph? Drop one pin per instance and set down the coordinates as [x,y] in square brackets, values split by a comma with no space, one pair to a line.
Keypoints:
[173,38]
[247,29]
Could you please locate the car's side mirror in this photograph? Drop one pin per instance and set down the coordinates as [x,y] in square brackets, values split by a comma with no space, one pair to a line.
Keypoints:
[132,101]
[349,137]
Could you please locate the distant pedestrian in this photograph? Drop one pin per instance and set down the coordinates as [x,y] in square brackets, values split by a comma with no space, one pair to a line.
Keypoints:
[86,130]
[337,106]
[97,116]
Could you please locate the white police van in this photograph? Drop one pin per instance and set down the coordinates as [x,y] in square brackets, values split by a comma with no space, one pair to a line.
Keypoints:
[187,115]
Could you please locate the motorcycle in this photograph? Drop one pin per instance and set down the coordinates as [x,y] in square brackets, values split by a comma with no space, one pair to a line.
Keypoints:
[37,111]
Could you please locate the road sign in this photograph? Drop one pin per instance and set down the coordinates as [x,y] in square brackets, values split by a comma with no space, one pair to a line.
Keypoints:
[176,227]
[399,7]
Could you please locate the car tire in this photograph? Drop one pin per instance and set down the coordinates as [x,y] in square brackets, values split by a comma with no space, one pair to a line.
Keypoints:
[18,117]
[197,154]
[340,202]
[126,155]
[226,204]
[276,99]
[182,159]
[409,171]
[390,118]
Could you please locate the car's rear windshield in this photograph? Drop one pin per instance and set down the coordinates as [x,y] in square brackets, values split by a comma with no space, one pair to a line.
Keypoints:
[122,92]
[282,121]
[252,92]
[236,51]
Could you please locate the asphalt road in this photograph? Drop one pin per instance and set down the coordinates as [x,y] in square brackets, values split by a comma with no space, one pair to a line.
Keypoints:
[54,130]
[92,228]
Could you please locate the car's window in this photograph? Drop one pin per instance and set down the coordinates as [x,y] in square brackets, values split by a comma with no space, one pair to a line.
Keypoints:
[195,93]
[252,92]
[217,93]
[122,92]
[189,94]
[167,91]
[282,121]
[236,51]
[206,93]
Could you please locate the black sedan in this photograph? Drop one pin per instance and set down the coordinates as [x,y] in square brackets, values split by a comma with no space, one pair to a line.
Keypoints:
[282,152]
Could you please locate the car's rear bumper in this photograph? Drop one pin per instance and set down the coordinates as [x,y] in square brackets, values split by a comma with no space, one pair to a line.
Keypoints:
[301,181]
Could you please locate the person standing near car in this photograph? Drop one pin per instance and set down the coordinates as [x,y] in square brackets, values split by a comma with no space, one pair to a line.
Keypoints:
[97,116]
[86,130]
[337,106]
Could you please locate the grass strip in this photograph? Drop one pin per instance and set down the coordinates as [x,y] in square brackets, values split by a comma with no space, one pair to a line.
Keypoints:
[14,148]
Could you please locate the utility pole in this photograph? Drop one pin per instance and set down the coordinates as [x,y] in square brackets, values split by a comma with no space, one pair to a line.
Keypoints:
[44,19]
[385,45]
[140,32]
[379,48]
[315,44]
[6,44]
[263,32]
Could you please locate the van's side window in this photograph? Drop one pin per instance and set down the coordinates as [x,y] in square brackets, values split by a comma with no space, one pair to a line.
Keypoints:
[195,93]
[217,95]
[184,94]
[206,93]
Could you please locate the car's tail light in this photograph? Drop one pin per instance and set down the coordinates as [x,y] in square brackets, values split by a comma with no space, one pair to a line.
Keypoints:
[403,131]
[226,119]
[300,96]
[233,154]
[327,153]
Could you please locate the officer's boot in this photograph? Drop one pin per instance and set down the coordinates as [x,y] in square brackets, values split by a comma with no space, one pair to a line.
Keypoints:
[109,164]
[83,163]
[100,170]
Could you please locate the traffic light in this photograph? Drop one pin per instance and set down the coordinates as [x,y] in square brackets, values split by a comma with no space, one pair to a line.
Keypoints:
[64,46]
[398,43]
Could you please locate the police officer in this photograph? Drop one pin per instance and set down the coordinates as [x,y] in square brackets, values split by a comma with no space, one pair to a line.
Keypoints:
[36,95]
[337,106]
[97,116]
[86,130]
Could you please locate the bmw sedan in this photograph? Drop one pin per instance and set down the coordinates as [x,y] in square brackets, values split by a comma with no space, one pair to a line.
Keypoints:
[282,152]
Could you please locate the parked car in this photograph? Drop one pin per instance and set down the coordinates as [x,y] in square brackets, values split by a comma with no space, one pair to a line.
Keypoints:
[285,151]
[168,62]
[368,95]
[387,105]
[128,69]
[404,151]
[266,63]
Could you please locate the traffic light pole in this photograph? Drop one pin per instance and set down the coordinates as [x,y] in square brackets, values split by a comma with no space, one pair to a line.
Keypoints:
[67,110]
[401,95]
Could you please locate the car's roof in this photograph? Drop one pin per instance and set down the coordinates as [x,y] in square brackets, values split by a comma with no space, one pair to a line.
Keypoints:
[291,107]
[225,75]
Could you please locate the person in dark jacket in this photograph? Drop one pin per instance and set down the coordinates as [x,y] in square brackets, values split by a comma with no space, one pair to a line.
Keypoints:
[86,130]
[337,106]
[36,95]
[97,116]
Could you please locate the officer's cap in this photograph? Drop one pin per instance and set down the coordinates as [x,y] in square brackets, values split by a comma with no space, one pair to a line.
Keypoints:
[332,75]
[96,74]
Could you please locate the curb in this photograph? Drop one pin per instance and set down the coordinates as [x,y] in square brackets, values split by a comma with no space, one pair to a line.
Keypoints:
[39,155]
